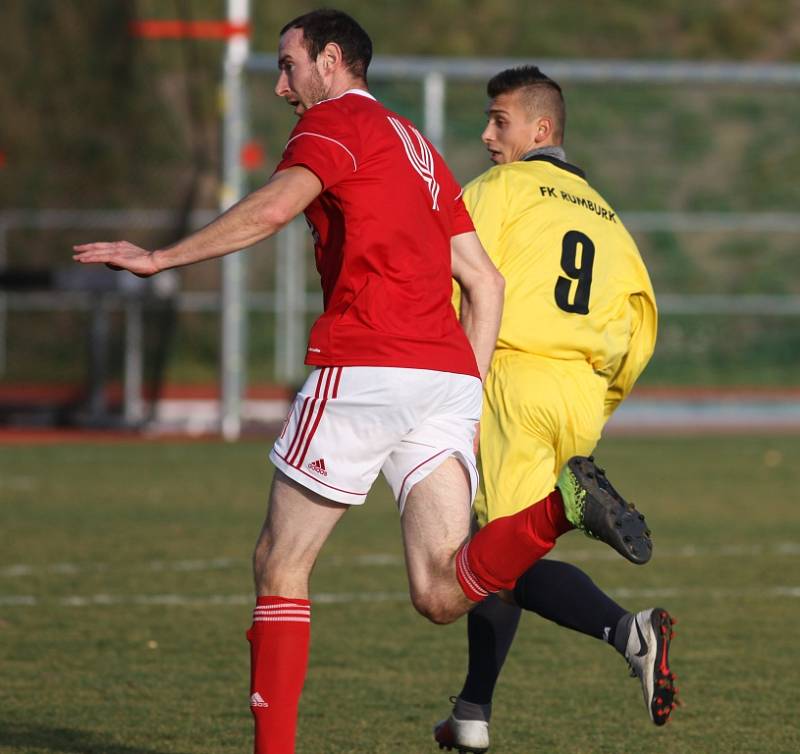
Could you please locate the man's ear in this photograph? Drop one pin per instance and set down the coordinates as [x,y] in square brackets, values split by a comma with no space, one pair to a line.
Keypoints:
[330,56]
[544,129]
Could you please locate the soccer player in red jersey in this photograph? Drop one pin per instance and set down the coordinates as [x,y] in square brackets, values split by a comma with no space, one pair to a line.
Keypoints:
[397,385]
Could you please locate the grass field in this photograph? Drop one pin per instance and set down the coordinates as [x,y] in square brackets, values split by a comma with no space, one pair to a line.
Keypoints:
[125,595]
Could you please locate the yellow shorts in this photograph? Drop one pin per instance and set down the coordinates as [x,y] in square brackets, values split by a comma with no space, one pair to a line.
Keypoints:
[537,413]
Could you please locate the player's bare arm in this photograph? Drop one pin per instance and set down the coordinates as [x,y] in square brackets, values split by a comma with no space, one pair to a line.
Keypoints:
[482,291]
[256,217]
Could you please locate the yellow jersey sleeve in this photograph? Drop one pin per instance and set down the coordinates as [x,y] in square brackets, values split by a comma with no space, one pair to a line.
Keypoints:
[576,286]
[487,203]
[485,200]
[644,324]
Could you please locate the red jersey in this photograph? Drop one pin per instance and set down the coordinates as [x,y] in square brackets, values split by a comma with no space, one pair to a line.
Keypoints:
[382,227]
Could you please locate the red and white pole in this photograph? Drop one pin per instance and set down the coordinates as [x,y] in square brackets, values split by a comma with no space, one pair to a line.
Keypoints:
[236,31]
[233,346]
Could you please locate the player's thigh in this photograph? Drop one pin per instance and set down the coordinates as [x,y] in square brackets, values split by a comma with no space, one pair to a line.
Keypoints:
[537,414]
[297,524]
[583,415]
[517,465]
[435,522]
[433,475]
[519,426]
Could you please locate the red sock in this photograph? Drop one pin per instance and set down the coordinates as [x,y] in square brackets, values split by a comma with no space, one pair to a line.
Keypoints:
[507,547]
[279,639]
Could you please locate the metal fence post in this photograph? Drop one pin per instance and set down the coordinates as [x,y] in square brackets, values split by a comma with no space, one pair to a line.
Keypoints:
[99,330]
[133,402]
[434,93]
[3,301]
[234,314]
[290,303]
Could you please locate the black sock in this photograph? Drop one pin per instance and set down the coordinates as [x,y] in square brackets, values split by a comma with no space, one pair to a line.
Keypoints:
[620,641]
[564,594]
[491,626]
[463,710]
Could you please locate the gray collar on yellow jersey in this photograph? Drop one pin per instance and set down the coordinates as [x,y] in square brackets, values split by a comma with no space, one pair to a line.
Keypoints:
[554,155]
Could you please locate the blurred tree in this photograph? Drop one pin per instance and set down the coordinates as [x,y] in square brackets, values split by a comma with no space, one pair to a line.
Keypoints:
[95,117]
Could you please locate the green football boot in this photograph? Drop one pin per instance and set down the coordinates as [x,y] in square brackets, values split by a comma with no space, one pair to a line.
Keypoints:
[592,505]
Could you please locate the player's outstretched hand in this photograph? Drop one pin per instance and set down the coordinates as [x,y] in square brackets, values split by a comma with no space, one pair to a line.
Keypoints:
[118,255]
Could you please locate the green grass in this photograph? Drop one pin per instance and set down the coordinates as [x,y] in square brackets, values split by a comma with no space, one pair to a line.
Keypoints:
[120,524]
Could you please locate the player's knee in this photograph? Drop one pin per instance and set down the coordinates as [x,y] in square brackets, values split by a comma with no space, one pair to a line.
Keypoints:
[435,607]
[276,571]
[263,566]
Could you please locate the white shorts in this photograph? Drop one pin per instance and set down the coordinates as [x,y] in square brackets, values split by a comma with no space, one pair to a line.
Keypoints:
[349,423]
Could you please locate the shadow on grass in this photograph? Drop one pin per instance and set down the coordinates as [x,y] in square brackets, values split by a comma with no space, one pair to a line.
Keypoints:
[27,737]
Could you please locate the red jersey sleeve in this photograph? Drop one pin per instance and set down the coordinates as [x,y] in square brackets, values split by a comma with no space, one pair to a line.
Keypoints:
[462,222]
[325,142]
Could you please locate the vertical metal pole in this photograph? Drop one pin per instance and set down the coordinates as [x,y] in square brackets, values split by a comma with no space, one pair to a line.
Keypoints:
[134,361]
[3,302]
[3,334]
[434,94]
[234,310]
[98,360]
[295,330]
[290,302]
[281,299]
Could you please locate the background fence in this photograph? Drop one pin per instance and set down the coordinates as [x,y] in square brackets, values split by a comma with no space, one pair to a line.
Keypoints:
[699,161]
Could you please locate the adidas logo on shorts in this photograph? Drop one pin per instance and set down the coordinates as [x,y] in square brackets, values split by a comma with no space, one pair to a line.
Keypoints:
[256,700]
[318,467]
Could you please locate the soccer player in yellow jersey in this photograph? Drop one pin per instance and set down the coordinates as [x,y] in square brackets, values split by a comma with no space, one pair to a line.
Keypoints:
[578,328]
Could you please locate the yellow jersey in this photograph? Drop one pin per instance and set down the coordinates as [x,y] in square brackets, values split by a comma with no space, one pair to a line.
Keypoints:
[576,285]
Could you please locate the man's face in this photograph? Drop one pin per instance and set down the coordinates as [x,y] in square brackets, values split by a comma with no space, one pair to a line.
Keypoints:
[509,133]
[300,82]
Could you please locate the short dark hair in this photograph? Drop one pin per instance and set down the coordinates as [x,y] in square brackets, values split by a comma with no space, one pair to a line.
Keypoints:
[327,25]
[540,91]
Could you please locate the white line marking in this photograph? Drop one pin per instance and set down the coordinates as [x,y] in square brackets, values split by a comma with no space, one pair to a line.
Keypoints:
[215,564]
[177,566]
[787,591]
[17,570]
[21,601]
[19,483]
[185,600]
[687,552]
[345,598]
